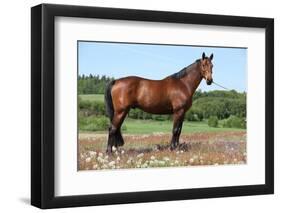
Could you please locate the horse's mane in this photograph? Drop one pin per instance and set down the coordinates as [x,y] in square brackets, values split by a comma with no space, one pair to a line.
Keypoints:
[183,72]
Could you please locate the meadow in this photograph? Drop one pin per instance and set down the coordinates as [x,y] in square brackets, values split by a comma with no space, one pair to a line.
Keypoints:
[147,145]
[152,150]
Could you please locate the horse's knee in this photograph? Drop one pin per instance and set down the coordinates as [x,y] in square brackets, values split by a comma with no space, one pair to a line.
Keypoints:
[112,130]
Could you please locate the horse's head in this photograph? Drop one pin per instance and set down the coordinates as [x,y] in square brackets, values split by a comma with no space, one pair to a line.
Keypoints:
[206,67]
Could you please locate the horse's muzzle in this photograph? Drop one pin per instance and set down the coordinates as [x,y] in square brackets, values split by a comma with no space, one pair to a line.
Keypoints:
[209,82]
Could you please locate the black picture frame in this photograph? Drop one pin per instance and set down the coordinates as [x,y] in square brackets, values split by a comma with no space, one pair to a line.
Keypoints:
[43,105]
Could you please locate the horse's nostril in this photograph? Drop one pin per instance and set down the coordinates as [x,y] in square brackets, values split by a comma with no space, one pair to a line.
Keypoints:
[209,81]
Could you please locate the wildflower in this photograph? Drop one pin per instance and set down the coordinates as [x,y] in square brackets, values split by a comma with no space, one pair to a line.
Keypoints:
[152,158]
[129,161]
[140,155]
[145,165]
[118,158]
[139,161]
[166,159]
[111,163]
[100,159]
[95,166]
[191,160]
[100,154]
[88,160]
[122,152]
[92,154]
[114,149]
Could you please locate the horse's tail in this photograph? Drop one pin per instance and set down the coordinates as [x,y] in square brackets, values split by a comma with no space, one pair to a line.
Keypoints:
[108,100]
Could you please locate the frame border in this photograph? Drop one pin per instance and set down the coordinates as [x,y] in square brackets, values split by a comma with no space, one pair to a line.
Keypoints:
[43,111]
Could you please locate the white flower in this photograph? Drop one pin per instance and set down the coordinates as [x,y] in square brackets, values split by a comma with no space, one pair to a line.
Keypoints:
[166,159]
[144,165]
[139,161]
[88,160]
[104,166]
[176,162]
[111,163]
[129,161]
[114,149]
[122,152]
[92,154]
[191,160]
[140,155]
[100,154]
[152,158]
[118,158]
[99,159]
[95,166]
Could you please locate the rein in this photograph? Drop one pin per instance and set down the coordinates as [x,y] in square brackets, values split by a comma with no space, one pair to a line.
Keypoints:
[220,86]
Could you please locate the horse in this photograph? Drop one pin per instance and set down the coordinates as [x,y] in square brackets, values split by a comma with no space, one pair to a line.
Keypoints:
[171,95]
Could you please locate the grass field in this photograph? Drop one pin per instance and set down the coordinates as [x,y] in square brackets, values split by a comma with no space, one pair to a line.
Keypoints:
[133,126]
[92,97]
[151,126]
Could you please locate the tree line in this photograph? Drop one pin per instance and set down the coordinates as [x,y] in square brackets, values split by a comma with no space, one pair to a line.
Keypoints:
[92,84]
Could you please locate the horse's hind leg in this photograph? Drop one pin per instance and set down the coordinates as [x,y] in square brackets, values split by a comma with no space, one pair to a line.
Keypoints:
[178,121]
[114,136]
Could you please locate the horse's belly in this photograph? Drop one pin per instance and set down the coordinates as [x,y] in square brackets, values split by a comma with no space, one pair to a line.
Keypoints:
[156,108]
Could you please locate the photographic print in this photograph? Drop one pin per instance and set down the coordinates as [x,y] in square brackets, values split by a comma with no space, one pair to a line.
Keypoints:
[167,98]
[158,105]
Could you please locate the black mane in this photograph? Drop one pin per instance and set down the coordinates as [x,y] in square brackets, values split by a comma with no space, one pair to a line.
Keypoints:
[179,74]
[183,72]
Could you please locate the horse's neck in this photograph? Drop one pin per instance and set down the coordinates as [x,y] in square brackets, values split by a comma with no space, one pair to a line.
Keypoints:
[193,79]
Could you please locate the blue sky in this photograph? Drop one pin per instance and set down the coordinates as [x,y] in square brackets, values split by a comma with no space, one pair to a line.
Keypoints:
[158,61]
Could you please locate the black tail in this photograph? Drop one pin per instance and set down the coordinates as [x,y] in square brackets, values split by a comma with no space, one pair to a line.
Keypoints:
[108,100]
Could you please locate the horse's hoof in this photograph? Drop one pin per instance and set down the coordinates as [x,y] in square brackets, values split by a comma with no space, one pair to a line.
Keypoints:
[172,147]
[108,151]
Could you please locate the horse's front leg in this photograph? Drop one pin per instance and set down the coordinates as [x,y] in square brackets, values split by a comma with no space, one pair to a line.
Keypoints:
[178,117]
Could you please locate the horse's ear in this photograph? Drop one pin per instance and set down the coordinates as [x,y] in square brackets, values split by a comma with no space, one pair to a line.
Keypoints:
[203,55]
[212,56]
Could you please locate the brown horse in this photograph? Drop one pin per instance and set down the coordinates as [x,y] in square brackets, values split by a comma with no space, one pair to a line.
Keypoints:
[171,95]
